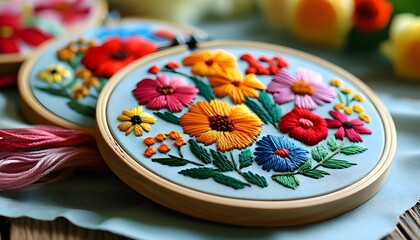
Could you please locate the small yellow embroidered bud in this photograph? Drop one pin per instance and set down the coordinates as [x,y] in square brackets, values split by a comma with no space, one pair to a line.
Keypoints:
[347,90]
[149,141]
[336,82]
[358,97]
[83,73]
[179,142]
[364,117]
[348,110]
[160,137]
[164,148]
[358,108]
[174,135]
[149,152]
[338,106]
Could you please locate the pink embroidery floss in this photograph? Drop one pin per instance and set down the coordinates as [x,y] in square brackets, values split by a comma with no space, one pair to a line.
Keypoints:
[45,154]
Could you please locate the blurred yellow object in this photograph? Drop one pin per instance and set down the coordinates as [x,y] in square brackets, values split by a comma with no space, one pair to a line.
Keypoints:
[275,12]
[403,46]
[321,22]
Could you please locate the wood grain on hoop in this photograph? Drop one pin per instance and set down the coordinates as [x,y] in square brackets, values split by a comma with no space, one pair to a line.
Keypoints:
[241,211]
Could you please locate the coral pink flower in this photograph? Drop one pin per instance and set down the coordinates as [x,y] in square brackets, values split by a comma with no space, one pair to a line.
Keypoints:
[307,88]
[67,11]
[305,126]
[350,129]
[114,54]
[162,93]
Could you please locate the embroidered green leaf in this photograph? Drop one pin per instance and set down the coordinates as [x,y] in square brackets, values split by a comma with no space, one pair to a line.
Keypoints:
[82,109]
[257,110]
[287,181]
[170,161]
[245,158]
[199,173]
[255,179]
[167,116]
[199,151]
[353,149]
[337,164]
[57,92]
[306,166]
[273,109]
[229,181]
[315,173]
[332,144]
[276,113]
[204,89]
[319,153]
[265,100]
[221,161]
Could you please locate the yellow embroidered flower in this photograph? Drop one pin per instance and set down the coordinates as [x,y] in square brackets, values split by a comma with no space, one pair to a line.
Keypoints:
[137,120]
[160,137]
[54,73]
[336,82]
[149,152]
[321,22]
[149,141]
[358,108]
[232,83]
[79,92]
[348,110]
[230,127]
[403,47]
[347,90]
[209,63]
[339,106]
[364,117]
[358,97]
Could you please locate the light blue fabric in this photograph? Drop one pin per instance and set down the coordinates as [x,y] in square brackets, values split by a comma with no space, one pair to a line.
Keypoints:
[104,202]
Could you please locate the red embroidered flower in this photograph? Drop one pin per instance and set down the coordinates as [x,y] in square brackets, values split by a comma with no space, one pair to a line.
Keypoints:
[162,93]
[68,11]
[12,31]
[305,126]
[350,129]
[371,15]
[114,54]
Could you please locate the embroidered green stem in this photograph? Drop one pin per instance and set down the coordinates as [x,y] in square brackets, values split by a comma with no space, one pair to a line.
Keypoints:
[180,152]
[232,159]
[188,161]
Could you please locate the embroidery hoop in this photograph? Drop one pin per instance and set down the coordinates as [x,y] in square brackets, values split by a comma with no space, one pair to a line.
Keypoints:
[35,112]
[10,63]
[233,210]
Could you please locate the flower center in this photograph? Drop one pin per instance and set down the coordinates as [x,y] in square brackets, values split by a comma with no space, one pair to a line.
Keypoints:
[53,71]
[209,62]
[6,32]
[236,83]
[366,11]
[135,119]
[120,54]
[165,90]
[347,125]
[306,123]
[62,7]
[221,123]
[282,152]
[302,88]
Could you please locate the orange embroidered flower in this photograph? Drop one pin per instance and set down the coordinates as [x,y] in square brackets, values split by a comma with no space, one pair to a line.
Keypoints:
[371,15]
[137,120]
[149,152]
[83,73]
[232,83]
[160,137]
[179,142]
[91,82]
[65,54]
[164,148]
[174,135]
[79,92]
[209,63]
[149,141]
[230,127]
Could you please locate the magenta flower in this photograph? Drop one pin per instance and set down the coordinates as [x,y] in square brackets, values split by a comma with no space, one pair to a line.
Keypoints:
[307,88]
[162,93]
[350,129]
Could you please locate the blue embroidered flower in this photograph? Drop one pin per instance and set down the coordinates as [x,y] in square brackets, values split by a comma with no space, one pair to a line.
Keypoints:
[280,153]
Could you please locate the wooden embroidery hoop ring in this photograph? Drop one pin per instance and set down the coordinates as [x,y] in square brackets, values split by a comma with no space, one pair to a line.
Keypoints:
[10,63]
[36,113]
[239,211]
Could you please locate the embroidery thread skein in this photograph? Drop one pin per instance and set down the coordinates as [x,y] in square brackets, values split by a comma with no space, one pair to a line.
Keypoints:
[45,154]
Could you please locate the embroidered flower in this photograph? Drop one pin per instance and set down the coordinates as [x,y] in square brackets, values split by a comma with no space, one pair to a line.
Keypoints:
[280,154]
[12,32]
[274,64]
[350,129]
[79,91]
[230,127]
[232,83]
[68,11]
[114,54]
[174,135]
[54,73]
[371,15]
[162,93]
[154,69]
[307,88]
[164,148]
[172,65]
[160,137]
[149,141]
[149,152]
[135,119]
[304,126]
[179,142]
[209,63]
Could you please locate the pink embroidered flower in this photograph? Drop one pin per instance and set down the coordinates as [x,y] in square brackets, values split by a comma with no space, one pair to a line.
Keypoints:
[307,88]
[162,93]
[68,11]
[350,129]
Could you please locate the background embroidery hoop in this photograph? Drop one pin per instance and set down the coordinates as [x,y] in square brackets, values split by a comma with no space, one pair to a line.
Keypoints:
[35,111]
[233,210]
[10,63]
